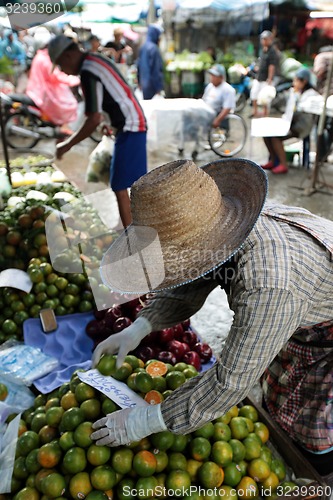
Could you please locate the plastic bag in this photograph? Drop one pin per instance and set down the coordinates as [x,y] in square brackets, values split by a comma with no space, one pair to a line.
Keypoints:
[23,363]
[8,441]
[19,398]
[289,68]
[266,95]
[99,160]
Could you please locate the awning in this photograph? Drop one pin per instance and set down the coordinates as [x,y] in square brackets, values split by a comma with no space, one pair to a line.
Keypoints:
[210,11]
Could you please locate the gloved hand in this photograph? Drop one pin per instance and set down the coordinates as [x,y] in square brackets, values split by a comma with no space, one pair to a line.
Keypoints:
[125,426]
[123,342]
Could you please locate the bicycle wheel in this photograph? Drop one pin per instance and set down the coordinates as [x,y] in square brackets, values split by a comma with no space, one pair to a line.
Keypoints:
[103,128]
[230,138]
[21,131]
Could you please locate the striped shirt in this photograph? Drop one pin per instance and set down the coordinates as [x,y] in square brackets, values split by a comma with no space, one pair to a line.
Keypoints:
[105,89]
[283,279]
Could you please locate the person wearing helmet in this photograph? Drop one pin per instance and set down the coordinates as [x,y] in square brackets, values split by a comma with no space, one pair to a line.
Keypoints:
[301,123]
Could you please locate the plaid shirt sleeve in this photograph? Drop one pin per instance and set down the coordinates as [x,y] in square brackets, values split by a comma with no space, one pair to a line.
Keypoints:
[256,336]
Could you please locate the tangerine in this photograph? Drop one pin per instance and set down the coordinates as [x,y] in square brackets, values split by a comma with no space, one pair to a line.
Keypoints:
[258,469]
[80,485]
[49,455]
[178,480]
[103,477]
[177,461]
[238,427]
[75,460]
[247,488]
[162,440]
[157,369]
[210,475]
[122,460]
[82,435]
[99,455]
[144,463]
[83,392]
[206,431]
[221,432]
[53,485]
[262,431]
[232,474]
[250,412]
[200,448]
[153,397]
[222,453]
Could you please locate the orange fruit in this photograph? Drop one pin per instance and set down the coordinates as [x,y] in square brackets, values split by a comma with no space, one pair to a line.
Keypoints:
[74,460]
[232,474]
[206,431]
[71,419]
[266,454]
[200,448]
[38,421]
[162,460]
[222,453]
[99,495]
[144,382]
[156,369]
[68,400]
[31,462]
[122,460]
[177,461]
[91,409]
[225,419]
[242,464]
[153,397]
[252,448]
[250,412]
[124,486]
[178,479]
[27,493]
[144,463]
[238,450]
[54,415]
[47,434]
[271,482]
[222,432]
[40,476]
[28,441]
[109,406]
[146,486]
[3,392]
[210,475]
[279,468]
[98,455]
[247,488]
[20,470]
[133,361]
[192,468]
[175,379]
[238,427]
[80,485]
[258,469]
[249,423]
[227,492]
[159,383]
[83,392]
[49,455]
[82,435]
[53,485]
[162,440]
[107,364]
[123,372]
[66,440]
[103,477]
[179,442]
[262,431]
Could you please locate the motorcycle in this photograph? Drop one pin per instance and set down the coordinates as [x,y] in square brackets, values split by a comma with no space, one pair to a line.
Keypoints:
[25,124]
[242,85]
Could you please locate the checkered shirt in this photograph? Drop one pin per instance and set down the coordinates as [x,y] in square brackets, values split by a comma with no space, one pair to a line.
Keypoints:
[283,279]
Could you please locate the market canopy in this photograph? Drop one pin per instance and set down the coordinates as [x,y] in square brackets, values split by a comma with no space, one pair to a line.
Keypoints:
[220,10]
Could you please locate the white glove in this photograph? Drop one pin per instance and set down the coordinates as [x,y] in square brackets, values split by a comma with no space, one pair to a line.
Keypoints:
[125,426]
[123,342]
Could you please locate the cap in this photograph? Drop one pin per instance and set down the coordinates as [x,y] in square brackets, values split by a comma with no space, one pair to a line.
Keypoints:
[303,74]
[58,45]
[217,70]
[266,34]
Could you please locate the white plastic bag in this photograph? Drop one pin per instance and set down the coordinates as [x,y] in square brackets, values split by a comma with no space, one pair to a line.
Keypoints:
[8,441]
[99,160]
[266,95]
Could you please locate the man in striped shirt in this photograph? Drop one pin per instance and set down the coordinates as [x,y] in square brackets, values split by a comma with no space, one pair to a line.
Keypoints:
[279,284]
[105,89]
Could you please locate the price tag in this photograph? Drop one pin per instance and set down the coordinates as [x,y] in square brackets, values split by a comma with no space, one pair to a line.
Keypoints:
[118,391]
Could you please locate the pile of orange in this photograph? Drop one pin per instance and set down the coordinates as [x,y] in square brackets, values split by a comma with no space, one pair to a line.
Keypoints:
[57,459]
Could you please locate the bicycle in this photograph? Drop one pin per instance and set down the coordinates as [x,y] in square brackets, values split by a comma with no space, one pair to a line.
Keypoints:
[230,138]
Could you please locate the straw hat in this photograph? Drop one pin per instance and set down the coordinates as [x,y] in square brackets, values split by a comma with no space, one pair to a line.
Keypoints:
[186,222]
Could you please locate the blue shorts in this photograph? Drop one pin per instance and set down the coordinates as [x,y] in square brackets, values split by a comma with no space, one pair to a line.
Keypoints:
[129,160]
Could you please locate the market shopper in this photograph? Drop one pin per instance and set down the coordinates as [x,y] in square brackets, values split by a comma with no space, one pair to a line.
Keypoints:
[219,94]
[105,89]
[300,126]
[321,65]
[268,70]
[150,64]
[199,228]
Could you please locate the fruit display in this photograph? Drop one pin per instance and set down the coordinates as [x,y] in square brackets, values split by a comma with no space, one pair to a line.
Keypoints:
[56,457]
[171,345]
[25,246]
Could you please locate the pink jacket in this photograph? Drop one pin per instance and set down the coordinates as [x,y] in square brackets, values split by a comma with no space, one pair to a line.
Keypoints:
[50,90]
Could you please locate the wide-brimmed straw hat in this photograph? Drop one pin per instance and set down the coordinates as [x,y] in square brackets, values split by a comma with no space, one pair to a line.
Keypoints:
[186,222]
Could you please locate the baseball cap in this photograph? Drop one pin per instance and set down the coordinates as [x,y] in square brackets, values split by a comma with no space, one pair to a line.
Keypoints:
[58,45]
[217,70]
[303,74]
[266,34]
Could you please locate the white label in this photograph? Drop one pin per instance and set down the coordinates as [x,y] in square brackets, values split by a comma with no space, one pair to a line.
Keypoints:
[16,278]
[118,391]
